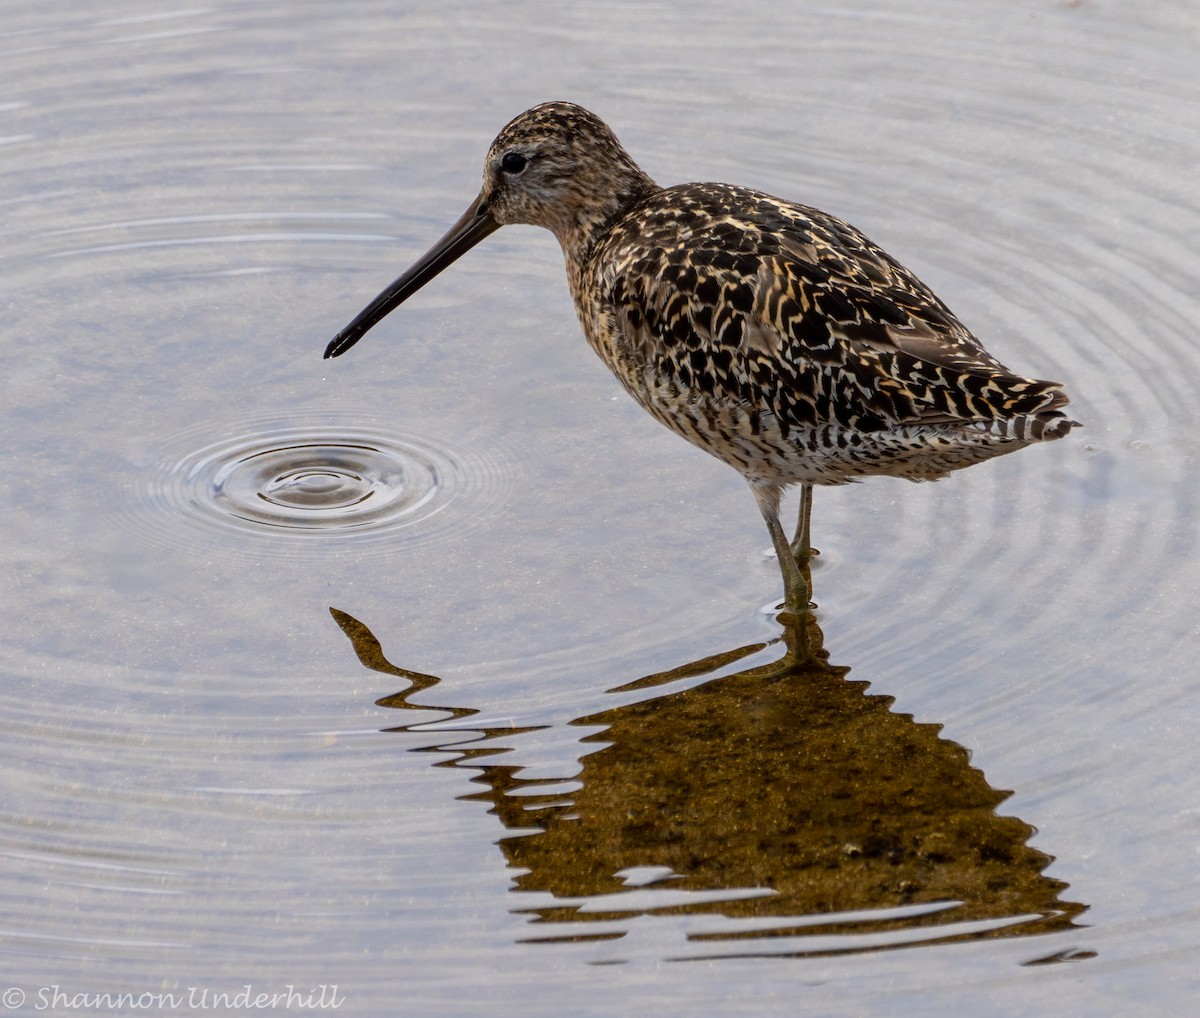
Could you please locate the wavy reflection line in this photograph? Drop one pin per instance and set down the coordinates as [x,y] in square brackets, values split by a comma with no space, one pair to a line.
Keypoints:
[779,811]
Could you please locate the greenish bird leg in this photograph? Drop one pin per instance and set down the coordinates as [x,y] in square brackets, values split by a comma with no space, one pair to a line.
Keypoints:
[796,590]
[801,547]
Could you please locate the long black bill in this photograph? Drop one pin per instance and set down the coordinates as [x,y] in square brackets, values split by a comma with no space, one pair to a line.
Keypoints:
[475,224]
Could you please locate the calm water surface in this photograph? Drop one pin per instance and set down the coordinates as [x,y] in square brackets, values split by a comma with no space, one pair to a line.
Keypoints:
[441,672]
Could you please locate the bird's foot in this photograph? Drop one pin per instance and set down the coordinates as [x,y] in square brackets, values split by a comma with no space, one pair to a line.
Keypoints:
[804,641]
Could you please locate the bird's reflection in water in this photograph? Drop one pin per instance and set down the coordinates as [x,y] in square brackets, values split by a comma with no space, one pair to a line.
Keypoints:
[776,810]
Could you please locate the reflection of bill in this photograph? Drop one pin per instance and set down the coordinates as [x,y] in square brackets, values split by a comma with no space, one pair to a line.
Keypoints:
[778,810]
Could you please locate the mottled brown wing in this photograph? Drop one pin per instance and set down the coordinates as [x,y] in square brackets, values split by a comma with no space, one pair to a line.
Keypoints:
[887,344]
[783,308]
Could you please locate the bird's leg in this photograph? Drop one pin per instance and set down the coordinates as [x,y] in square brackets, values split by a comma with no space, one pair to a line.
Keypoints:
[802,549]
[796,590]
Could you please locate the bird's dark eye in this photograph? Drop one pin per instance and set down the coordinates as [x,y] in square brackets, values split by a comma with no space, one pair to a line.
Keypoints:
[513,162]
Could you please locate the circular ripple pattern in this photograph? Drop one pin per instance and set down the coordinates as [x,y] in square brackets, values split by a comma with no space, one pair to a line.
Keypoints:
[317,485]
[280,488]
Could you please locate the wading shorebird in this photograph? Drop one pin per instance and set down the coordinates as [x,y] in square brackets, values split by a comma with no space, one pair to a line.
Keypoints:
[772,335]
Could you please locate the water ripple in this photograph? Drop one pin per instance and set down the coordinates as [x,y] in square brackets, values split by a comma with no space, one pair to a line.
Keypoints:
[280,487]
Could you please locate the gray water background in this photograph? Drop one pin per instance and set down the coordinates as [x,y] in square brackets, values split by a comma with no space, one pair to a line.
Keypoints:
[198,788]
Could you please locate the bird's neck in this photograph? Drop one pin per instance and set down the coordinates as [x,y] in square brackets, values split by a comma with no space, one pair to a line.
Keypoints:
[592,220]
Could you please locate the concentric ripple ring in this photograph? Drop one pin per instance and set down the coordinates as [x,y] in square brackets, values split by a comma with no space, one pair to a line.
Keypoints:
[278,486]
[317,485]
